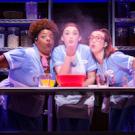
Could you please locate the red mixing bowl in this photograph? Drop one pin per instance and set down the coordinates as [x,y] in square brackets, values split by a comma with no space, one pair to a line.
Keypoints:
[70,80]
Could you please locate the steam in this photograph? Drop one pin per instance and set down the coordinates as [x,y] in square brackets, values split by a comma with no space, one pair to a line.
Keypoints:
[85,22]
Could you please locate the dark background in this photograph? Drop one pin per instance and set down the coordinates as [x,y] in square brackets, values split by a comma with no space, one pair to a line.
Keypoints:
[89,15]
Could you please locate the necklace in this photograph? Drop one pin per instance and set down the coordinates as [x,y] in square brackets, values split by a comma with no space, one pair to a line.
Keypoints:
[45,60]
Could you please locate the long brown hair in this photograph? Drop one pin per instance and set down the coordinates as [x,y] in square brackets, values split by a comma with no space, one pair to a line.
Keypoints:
[109,49]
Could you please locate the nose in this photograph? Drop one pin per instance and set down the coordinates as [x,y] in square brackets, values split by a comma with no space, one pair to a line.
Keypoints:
[48,39]
[93,39]
[71,36]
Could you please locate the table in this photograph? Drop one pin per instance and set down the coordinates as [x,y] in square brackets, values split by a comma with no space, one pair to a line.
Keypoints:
[56,90]
[60,90]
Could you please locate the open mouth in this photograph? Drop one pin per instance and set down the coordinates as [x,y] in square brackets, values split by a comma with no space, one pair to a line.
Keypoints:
[92,46]
[71,41]
[48,45]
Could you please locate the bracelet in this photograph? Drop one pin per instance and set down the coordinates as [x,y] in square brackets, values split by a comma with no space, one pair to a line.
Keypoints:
[73,64]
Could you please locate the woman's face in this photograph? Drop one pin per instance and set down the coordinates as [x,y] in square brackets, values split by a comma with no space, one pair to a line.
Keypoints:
[97,41]
[45,41]
[71,36]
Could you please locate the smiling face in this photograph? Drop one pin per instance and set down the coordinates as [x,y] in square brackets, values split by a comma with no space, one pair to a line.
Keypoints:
[71,36]
[45,41]
[97,41]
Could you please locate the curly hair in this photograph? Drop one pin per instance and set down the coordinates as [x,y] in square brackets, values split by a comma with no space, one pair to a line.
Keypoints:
[38,25]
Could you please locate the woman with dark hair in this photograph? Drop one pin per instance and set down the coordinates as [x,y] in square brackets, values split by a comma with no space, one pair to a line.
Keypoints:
[74,110]
[25,66]
[109,59]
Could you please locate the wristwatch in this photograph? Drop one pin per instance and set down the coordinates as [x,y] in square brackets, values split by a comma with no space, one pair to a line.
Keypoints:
[73,63]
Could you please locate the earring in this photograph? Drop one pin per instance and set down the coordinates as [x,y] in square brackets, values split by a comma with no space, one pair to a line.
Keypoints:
[105,45]
[36,39]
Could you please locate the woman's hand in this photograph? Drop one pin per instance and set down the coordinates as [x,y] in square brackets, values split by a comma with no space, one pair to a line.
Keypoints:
[65,68]
[70,50]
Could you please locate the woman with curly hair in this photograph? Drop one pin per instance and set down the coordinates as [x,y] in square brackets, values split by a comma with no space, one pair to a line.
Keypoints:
[25,66]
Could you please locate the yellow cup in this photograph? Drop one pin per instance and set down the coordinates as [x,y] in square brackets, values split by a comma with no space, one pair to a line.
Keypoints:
[47,83]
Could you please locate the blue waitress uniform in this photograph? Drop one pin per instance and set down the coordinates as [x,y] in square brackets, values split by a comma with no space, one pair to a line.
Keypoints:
[122,112]
[70,117]
[24,111]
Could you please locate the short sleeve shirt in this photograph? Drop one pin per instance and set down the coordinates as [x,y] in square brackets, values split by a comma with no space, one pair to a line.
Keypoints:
[25,65]
[120,64]
[83,57]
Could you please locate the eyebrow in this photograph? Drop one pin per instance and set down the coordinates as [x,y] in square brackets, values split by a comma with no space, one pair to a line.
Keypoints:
[72,30]
[98,35]
[47,33]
